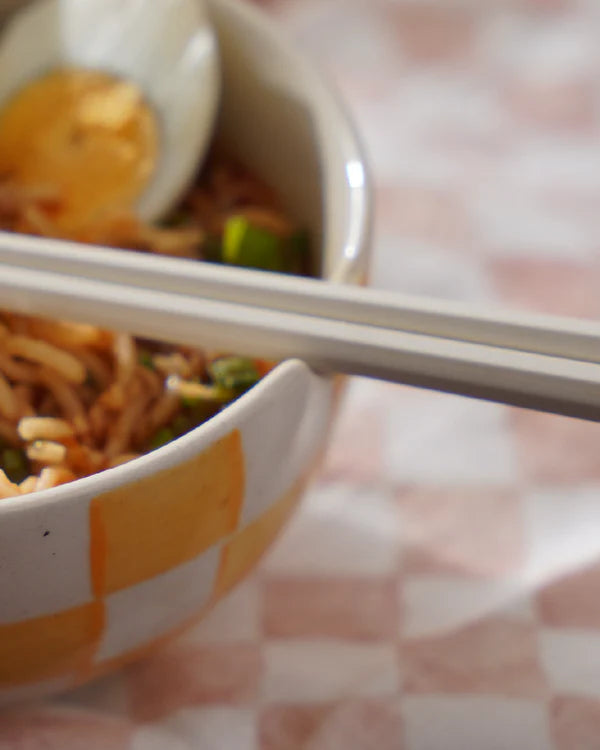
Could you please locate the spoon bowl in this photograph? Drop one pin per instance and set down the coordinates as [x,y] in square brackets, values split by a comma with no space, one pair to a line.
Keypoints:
[168,49]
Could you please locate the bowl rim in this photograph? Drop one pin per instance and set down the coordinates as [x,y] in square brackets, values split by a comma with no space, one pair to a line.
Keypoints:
[355,250]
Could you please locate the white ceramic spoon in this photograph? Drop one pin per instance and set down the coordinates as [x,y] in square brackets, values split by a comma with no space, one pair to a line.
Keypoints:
[167,47]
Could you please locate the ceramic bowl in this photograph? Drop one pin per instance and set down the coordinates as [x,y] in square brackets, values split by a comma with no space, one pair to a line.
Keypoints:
[95,573]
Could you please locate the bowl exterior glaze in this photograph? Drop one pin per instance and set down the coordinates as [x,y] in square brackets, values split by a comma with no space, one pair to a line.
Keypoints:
[96,576]
[95,573]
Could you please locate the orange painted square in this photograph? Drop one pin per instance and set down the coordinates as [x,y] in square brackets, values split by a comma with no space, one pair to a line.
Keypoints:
[242,553]
[50,646]
[144,529]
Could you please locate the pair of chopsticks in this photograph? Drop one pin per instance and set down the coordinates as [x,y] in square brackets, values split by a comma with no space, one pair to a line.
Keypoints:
[541,362]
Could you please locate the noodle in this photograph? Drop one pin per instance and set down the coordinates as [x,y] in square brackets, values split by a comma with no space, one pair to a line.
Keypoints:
[125,357]
[41,352]
[8,402]
[67,398]
[29,485]
[51,477]
[46,452]
[67,335]
[172,364]
[8,432]
[44,428]
[8,488]
[164,410]
[17,371]
[97,368]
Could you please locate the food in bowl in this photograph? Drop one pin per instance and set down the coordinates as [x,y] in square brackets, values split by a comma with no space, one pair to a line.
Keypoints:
[75,400]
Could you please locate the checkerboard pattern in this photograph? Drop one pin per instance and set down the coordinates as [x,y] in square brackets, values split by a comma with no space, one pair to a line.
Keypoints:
[440,587]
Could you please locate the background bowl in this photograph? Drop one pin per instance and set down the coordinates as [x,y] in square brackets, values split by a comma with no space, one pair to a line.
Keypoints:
[96,572]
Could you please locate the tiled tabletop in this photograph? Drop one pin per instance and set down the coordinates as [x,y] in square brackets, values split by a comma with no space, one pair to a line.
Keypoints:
[440,588]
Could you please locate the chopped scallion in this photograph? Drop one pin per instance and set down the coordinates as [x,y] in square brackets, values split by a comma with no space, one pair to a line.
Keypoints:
[15,464]
[162,437]
[212,249]
[251,246]
[234,373]
[145,359]
[298,252]
[182,424]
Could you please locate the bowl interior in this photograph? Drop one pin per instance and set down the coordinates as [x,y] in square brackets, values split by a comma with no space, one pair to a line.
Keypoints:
[283,122]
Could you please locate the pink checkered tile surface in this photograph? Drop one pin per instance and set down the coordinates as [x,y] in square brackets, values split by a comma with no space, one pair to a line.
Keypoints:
[440,587]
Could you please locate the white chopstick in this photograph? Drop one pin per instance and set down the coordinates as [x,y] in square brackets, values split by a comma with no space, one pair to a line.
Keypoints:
[556,384]
[541,334]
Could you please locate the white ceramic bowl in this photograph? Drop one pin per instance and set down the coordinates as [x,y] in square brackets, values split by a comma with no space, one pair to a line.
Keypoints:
[97,572]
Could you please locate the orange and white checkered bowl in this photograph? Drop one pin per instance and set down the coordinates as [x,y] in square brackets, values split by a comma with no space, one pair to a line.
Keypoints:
[96,572]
